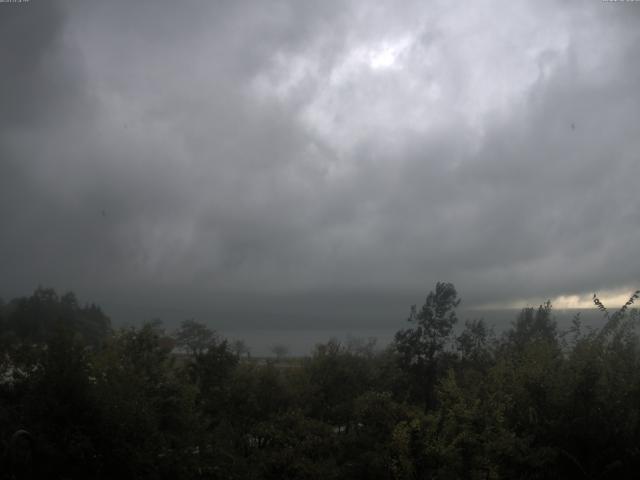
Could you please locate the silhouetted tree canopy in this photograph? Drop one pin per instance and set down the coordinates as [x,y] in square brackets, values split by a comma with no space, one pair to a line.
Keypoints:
[33,319]
[79,400]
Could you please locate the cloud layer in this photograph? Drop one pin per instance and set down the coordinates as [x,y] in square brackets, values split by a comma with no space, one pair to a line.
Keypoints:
[194,154]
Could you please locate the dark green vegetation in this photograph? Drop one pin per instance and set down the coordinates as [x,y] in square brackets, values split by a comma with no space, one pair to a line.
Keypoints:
[439,402]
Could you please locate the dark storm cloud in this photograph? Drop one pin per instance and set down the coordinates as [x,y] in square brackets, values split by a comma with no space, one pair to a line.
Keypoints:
[41,81]
[228,157]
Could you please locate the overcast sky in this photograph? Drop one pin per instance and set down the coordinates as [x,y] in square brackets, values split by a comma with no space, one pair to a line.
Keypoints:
[257,160]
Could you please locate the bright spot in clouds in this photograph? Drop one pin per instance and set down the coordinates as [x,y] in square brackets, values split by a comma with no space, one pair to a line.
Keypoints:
[386,56]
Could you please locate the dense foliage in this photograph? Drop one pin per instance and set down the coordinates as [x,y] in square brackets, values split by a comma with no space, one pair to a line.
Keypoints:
[81,400]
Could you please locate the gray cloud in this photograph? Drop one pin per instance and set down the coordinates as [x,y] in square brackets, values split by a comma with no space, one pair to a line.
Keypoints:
[260,162]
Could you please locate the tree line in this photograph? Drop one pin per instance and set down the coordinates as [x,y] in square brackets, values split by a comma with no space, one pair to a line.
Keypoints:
[81,399]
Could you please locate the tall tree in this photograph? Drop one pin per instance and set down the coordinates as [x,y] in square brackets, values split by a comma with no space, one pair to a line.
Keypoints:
[421,349]
[194,337]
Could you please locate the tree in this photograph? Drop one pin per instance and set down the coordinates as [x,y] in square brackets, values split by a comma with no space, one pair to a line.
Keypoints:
[473,343]
[34,319]
[148,419]
[533,325]
[335,377]
[240,348]
[280,351]
[211,370]
[194,337]
[422,348]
